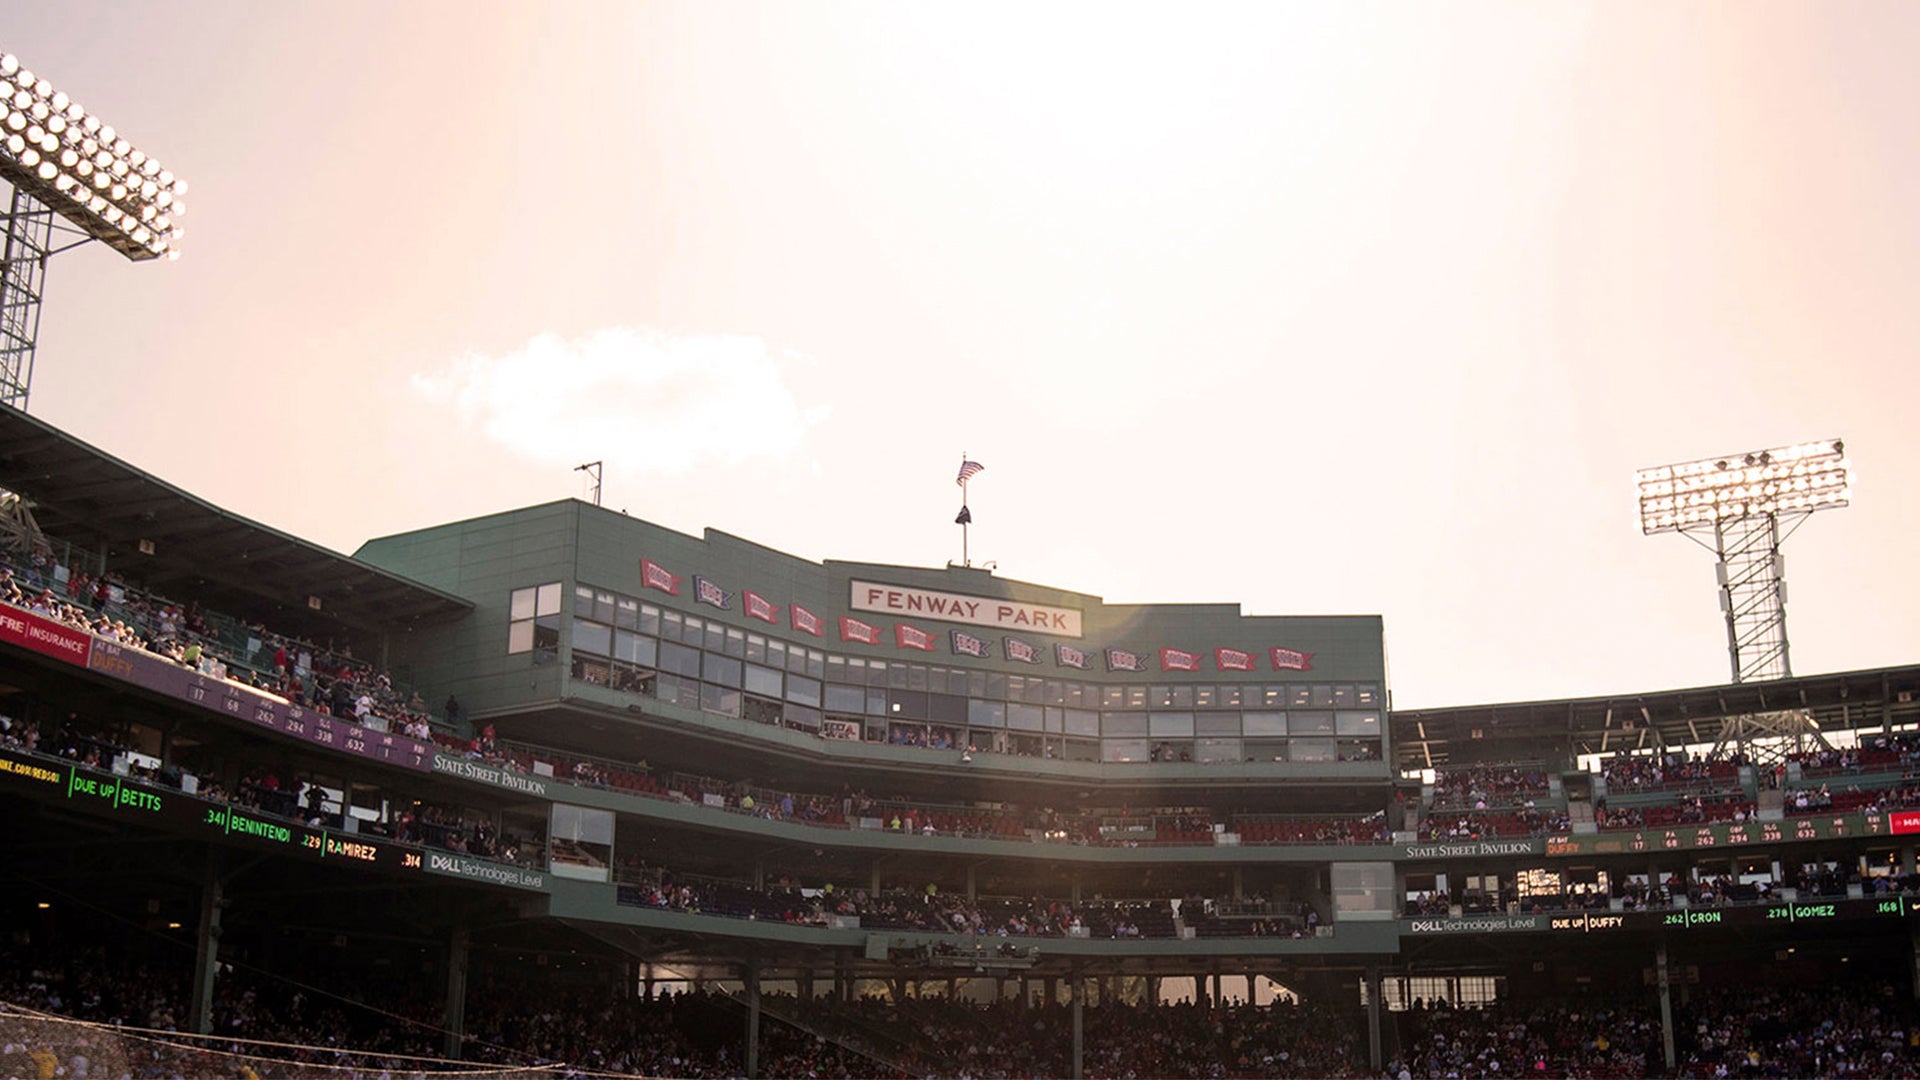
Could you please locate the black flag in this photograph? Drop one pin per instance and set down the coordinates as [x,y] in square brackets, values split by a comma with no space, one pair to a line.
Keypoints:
[965,517]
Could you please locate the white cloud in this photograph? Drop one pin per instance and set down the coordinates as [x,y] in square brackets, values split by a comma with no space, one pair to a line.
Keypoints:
[648,400]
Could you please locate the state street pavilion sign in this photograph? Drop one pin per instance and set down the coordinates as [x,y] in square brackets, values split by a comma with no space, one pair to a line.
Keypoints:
[959,607]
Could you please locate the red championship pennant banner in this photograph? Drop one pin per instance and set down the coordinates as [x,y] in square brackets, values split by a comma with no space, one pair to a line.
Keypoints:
[1289,660]
[911,637]
[1122,660]
[965,644]
[1179,660]
[758,607]
[806,621]
[1020,650]
[855,630]
[1067,656]
[1233,660]
[655,576]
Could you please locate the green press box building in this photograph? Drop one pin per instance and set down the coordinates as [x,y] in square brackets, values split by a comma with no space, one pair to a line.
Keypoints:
[585,618]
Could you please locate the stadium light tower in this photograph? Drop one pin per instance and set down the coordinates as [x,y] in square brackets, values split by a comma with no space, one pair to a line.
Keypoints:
[1742,507]
[64,162]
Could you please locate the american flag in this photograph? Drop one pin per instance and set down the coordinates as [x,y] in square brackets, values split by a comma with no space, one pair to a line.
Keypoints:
[968,470]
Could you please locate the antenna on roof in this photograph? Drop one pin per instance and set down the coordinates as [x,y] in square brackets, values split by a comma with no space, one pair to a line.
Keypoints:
[592,469]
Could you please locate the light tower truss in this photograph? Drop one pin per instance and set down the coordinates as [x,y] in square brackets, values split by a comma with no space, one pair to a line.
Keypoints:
[1743,507]
[64,163]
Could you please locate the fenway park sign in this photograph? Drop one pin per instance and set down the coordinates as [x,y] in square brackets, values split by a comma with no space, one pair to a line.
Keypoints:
[958,607]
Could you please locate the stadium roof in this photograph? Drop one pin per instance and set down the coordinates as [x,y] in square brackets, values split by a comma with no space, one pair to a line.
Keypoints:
[84,496]
[1424,738]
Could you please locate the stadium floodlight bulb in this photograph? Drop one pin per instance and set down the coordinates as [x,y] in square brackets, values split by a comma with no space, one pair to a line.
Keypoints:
[1789,479]
[56,129]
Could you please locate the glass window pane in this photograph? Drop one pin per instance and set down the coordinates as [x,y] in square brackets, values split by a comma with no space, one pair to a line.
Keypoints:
[719,699]
[803,691]
[1113,697]
[1343,697]
[520,636]
[762,681]
[627,613]
[1167,725]
[816,663]
[1123,750]
[593,638]
[1025,717]
[1216,751]
[716,637]
[520,604]
[715,668]
[1232,697]
[1266,723]
[649,620]
[603,606]
[1203,697]
[1311,750]
[1216,723]
[756,648]
[1123,723]
[694,632]
[796,660]
[1160,697]
[986,713]
[877,673]
[1357,723]
[679,660]
[547,601]
[1082,722]
[876,702]
[583,601]
[996,686]
[736,642]
[1310,723]
[1366,695]
[846,699]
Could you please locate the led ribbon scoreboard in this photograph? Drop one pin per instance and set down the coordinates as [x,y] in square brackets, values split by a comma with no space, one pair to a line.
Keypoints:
[133,801]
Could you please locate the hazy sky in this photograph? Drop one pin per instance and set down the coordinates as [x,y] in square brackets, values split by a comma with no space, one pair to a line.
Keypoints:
[1317,308]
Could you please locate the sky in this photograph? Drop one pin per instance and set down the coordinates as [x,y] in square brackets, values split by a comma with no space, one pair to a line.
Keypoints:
[1316,308]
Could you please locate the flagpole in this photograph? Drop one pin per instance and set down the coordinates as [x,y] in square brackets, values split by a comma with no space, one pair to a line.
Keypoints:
[966,519]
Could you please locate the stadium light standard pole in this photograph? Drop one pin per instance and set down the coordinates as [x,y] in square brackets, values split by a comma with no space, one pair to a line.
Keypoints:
[64,163]
[1742,507]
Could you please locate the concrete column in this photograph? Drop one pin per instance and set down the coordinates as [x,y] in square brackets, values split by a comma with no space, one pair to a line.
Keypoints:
[1666,1002]
[1373,1017]
[751,977]
[646,982]
[206,953]
[1079,1020]
[972,883]
[456,1011]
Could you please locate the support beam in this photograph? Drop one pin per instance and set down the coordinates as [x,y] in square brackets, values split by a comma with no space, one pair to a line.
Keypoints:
[1666,1003]
[206,953]
[751,976]
[456,1010]
[1079,990]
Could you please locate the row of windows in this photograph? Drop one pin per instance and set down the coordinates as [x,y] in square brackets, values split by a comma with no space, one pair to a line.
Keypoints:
[624,636]
[724,673]
[1047,732]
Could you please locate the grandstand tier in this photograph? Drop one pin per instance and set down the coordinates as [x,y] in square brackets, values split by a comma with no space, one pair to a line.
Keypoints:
[724,811]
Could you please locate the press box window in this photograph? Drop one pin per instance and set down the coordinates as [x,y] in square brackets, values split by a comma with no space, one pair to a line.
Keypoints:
[533,618]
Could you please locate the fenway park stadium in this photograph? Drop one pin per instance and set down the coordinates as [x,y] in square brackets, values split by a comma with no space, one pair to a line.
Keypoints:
[560,792]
